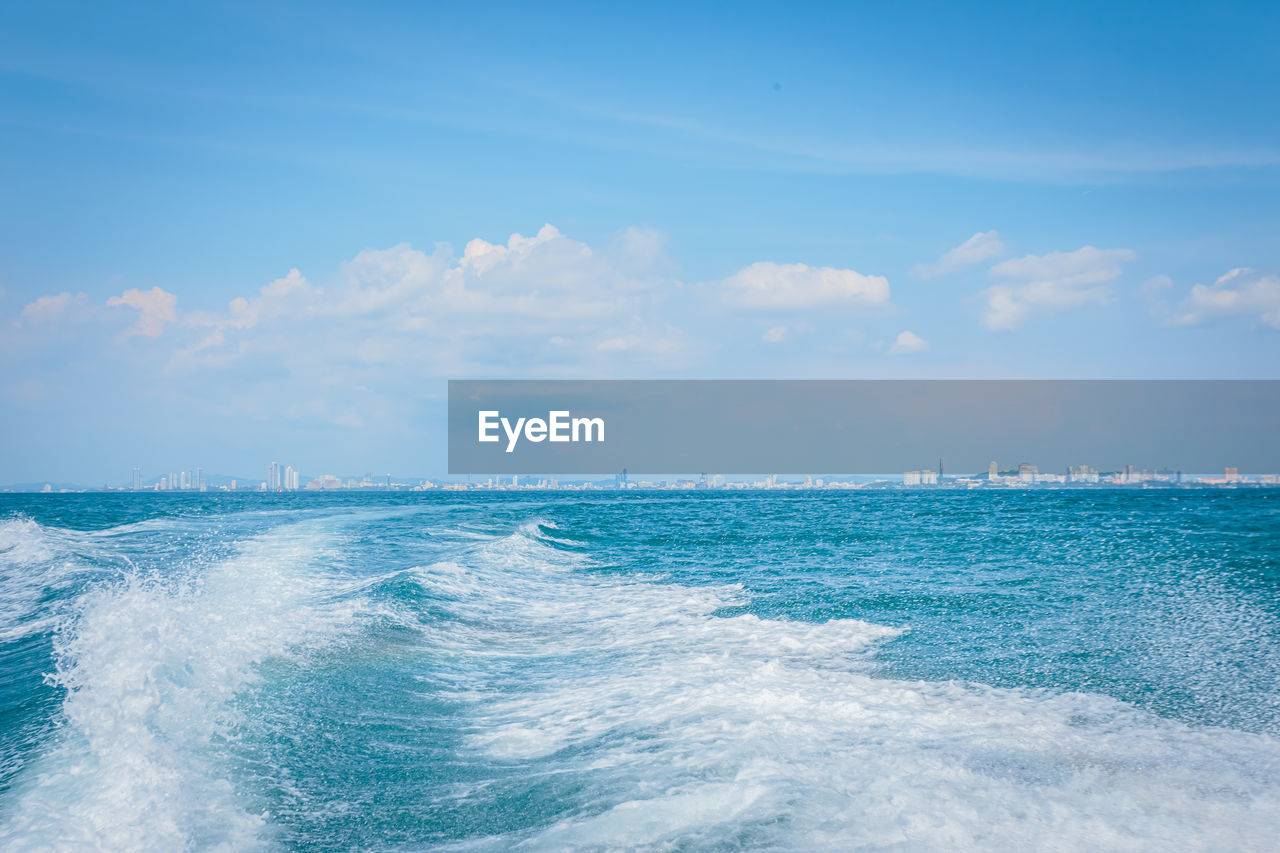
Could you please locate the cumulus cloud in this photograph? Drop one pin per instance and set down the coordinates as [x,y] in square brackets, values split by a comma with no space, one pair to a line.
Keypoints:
[543,300]
[1240,292]
[783,286]
[1057,281]
[286,297]
[980,247]
[156,307]
[546,278]
[907,342]
[365,341]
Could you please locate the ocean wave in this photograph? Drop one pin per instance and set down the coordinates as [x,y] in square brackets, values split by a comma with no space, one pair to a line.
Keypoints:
[593,706]
[687,728]
[150,667]
[39,567]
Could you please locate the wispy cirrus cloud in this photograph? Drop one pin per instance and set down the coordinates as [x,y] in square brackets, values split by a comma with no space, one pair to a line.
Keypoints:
[982,246]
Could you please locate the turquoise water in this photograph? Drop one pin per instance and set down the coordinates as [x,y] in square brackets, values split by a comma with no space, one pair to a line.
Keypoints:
[698,671]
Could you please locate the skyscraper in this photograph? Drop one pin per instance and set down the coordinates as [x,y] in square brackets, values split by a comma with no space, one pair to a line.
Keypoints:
[137,478]
[273,476]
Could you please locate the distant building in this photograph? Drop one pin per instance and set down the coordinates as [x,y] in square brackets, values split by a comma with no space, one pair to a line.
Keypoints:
[325,481]
[1081,474]
[920,478]
[1027,473]
[993,471]
[1232,475]
[137,478]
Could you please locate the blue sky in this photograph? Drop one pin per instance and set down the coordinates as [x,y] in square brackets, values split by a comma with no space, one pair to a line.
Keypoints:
[236,234]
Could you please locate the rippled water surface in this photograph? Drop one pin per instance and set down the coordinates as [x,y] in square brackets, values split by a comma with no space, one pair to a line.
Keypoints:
[699,671]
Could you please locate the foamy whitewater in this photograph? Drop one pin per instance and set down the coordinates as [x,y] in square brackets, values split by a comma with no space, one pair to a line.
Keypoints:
[1067,670]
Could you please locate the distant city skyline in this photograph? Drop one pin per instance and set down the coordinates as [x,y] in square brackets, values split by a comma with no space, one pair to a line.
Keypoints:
[287,479]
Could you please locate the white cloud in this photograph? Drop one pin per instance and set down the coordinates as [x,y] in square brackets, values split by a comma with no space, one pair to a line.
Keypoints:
[545,300]
[284,297]
[1241,291]
[776,335]
[769,285]
[907,342]
[51,308]
[155,306]
[1057,281]
[980,247]
[277,299]
[547,277]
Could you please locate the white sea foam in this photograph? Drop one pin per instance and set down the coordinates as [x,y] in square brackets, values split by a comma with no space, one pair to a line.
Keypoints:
[151,667]
[693,729]
[36,563]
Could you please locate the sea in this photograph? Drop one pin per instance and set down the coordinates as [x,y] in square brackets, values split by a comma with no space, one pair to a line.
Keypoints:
[896,670]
